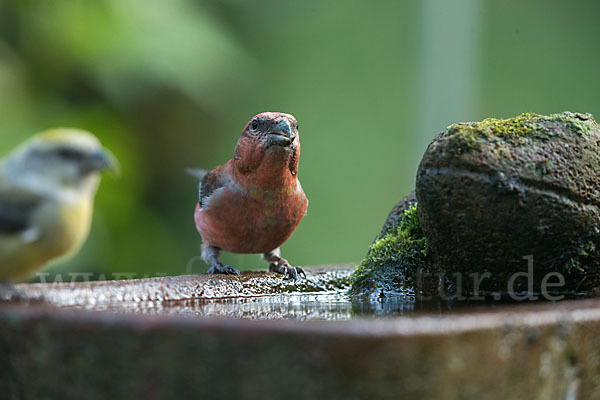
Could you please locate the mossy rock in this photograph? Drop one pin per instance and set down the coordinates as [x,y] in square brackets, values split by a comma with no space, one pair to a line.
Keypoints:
[398,258]
[493,192]
[398,214]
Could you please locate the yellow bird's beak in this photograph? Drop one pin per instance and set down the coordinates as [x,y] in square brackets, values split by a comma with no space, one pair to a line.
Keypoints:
[100,161]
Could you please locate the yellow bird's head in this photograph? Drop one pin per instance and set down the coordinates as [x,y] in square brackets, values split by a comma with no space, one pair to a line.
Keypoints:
[64,159]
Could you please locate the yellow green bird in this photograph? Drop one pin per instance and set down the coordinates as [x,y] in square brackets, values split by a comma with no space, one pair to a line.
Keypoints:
[47,189]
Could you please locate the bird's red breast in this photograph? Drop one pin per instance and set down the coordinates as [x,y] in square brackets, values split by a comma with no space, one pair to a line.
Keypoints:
[254,202]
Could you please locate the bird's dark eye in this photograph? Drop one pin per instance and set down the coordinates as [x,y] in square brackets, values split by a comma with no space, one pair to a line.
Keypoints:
[254,124]
[69,154]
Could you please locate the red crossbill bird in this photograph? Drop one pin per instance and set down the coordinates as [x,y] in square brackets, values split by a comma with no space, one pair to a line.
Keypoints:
[253,203]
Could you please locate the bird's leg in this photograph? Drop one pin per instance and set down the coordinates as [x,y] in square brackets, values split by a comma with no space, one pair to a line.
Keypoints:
[210,255]
[281,265]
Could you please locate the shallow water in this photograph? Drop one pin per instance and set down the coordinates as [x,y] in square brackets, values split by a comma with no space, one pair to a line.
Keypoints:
[332,305]
[254,295]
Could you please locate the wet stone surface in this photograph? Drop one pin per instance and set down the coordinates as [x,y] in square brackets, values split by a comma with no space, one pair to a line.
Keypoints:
[181,288]
[324,295]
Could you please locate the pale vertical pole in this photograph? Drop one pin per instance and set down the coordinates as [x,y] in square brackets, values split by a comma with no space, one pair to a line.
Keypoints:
[449,60]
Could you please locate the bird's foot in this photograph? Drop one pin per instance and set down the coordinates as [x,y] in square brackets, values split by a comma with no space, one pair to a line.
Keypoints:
[222,269]
[284,267]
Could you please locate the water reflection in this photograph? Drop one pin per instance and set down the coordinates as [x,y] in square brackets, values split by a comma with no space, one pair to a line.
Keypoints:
[336,305]
[331,305]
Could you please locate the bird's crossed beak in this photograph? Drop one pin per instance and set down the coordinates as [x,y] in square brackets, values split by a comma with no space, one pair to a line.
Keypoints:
[281,134]
[101,160]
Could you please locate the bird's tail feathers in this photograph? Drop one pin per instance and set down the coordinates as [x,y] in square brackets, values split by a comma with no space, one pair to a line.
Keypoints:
[197,172]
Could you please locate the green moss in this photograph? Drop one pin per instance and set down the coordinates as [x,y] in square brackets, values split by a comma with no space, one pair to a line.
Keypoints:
[394,258]
[517,130]
[581,258]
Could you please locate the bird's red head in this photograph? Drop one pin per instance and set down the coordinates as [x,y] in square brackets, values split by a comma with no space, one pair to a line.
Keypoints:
[270,141]
[273,129]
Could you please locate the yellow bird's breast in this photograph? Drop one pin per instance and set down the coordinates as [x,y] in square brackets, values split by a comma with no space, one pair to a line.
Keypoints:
[58,229]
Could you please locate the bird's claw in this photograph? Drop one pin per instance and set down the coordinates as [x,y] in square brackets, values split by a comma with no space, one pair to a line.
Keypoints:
[300,272]
[223,269]
[287,270]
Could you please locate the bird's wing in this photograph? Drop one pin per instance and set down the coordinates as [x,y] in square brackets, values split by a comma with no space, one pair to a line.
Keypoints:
[209,182]
[17,208]
[199,174]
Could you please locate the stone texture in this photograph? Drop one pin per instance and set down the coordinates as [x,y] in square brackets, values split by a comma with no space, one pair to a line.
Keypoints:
[493,192]
[543,351]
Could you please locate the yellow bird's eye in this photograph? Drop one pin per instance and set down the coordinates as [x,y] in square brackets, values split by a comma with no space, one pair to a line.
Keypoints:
[69,154]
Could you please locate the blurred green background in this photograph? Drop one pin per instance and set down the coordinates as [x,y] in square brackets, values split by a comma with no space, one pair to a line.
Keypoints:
[170,84]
